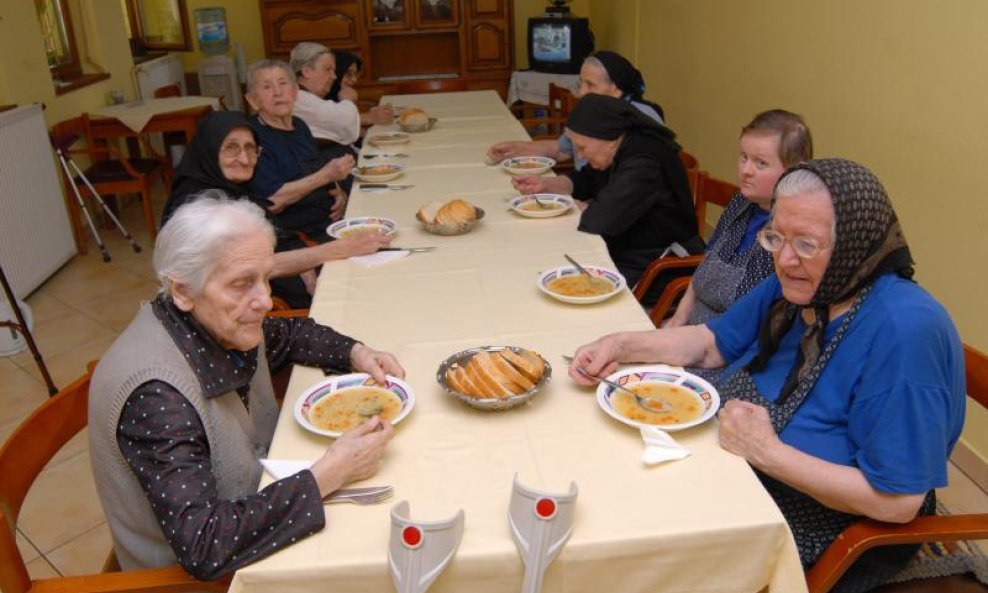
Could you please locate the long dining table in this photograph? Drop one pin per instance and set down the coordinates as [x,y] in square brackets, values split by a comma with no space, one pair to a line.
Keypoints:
[700,524]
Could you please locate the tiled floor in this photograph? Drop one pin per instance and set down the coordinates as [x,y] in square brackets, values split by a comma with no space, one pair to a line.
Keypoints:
[78,313]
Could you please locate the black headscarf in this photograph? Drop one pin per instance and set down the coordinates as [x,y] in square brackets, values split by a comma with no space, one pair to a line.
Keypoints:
[344,60]
[626,77]
[606,118]
[200,169]
[869,243]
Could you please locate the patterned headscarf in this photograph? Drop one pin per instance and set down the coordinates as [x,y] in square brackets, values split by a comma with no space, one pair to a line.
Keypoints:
[869,243]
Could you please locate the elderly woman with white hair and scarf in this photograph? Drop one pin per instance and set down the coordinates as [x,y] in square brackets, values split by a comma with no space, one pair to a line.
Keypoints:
[634,193]
[181,406]
[844,386]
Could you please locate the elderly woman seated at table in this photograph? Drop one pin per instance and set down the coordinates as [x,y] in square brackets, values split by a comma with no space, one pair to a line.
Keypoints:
[222,156]
[634,193]
[845,385]
[335,123]
[297,182]
[349,68]
[602,73]
[735,262]
[181,406]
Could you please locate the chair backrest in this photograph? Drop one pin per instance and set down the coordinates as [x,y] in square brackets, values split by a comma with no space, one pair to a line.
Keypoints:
[22,457]
[438,85]
[169,90]
[561,99]
[976,371]
[711,191]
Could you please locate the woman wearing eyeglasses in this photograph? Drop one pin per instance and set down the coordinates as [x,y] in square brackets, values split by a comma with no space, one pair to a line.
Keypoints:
[844,386]
[223,155]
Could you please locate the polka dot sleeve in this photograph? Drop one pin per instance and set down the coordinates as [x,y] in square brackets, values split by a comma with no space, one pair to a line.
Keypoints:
[162,438]
[303,341]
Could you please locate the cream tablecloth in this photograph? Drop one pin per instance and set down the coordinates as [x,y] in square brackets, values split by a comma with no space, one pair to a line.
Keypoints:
[137,114]
[701,524]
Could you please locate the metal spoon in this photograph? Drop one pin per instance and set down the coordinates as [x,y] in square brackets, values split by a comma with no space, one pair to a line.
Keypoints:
[540,204]
[652,405]
[600,282]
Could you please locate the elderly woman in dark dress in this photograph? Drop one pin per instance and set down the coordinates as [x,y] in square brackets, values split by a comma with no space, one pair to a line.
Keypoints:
[774,141]
[634,193]
[222,156]
[181,406]
[845,381]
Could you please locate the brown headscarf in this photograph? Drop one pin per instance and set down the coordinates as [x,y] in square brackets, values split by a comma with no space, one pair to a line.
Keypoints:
[869,244]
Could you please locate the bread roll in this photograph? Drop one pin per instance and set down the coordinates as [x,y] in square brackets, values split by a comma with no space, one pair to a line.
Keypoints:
[427,213]
[414,118]
[492,374]
[456,212]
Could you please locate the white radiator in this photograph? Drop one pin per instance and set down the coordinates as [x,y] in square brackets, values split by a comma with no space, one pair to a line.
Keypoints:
[35,236]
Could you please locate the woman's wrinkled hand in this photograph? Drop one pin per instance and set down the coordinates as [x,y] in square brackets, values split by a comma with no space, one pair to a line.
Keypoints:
[746,430]
[362,243]
[338,168]
[356,455]
[599,358]
[529,184]
[382,114]
[376,363]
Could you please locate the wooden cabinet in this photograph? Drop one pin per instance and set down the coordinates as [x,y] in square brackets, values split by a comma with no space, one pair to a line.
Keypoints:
[471,40]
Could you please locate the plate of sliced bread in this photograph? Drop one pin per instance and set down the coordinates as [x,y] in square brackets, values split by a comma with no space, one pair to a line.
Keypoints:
[494,377]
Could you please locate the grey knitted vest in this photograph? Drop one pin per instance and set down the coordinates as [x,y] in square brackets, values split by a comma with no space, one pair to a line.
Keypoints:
[145,352]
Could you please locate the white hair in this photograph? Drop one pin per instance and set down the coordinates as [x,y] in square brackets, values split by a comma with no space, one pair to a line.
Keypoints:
[596,63]
[190,245]
[259,65]
[803,181]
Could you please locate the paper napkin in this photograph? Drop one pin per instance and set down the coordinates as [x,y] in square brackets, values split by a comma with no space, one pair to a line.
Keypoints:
[282,468]
[376,259]
[660,447]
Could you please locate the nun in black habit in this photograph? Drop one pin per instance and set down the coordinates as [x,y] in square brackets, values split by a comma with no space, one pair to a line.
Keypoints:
[634,192]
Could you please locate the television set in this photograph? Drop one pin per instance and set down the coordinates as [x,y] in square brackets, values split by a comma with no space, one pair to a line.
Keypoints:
[558,44]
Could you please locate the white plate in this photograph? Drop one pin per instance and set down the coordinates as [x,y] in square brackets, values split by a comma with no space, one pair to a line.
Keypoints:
[703,390]
[559,205]
[363,173]
[340,228]
[389,138]
[549,275]
[528,165]
[331,386]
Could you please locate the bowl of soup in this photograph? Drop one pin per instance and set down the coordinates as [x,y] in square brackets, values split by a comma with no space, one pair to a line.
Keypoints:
[528,165]
[389,139]
[541,205]
[682,399]
[378,173]
[338,404]
[569,285]
[362,224]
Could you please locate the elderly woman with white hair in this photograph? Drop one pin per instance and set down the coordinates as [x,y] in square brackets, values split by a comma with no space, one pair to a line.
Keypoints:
[844,385]
[181,406]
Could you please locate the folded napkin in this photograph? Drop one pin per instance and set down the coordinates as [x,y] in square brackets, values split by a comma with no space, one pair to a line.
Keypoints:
[659,447]
[282,468]
[376,259]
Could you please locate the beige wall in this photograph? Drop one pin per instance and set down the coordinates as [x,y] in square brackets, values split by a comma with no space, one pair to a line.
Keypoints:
[894,84]
[24,77]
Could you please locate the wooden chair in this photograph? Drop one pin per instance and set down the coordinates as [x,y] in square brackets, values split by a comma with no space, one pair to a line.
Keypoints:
[708,191]
[437,85]
[692,166]
[22,457]
[170,138]
[867,534]
[109,171]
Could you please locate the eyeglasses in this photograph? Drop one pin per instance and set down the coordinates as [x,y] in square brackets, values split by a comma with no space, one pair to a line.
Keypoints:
[232,151]
[805,247]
